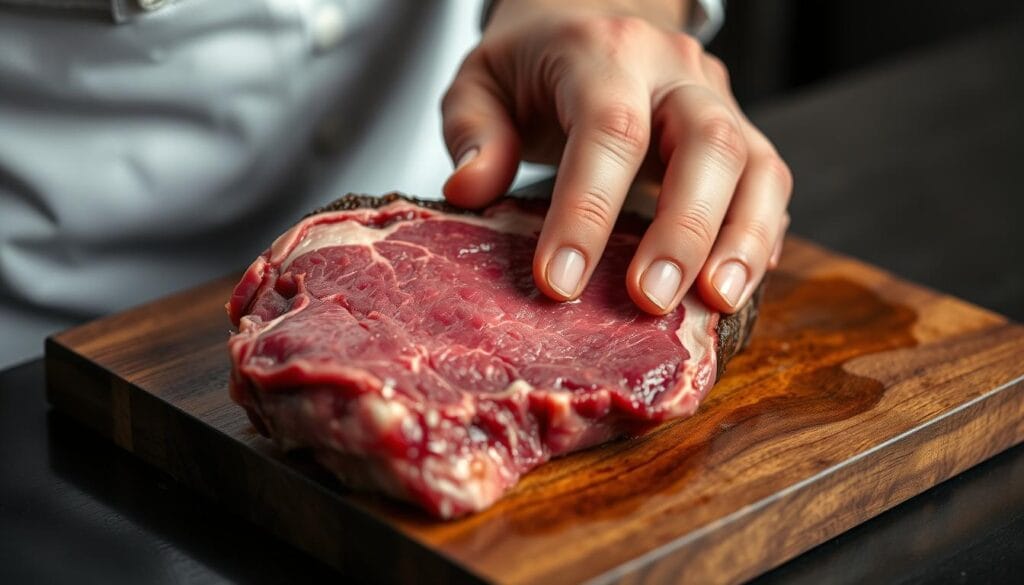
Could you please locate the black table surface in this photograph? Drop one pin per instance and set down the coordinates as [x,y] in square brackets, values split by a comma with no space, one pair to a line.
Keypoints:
[912,165]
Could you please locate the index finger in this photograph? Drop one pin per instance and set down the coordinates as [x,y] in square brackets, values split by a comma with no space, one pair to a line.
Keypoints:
[608,129]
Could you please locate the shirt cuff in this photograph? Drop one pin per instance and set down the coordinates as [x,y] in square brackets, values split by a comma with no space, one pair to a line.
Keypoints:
[706,19]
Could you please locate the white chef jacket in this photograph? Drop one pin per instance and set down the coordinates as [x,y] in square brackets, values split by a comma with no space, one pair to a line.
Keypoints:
[149,145]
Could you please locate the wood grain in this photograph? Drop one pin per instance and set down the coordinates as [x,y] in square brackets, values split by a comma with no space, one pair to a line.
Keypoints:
[857,392]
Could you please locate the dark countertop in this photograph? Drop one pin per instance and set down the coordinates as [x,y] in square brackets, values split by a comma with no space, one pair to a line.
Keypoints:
[916,166]
[912,166]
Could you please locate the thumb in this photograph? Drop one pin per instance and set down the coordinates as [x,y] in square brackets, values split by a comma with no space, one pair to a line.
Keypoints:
[480,137]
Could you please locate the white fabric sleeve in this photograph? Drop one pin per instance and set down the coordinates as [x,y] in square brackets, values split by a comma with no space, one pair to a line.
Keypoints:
[118,10]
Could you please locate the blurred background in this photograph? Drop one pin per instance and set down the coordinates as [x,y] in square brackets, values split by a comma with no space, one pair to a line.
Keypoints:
[776,46]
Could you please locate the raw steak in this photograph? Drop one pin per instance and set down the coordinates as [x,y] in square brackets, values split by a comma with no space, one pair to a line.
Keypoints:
[405,344]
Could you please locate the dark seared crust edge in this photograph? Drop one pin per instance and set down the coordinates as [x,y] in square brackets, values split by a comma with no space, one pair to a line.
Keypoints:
[360,200]
[733,330]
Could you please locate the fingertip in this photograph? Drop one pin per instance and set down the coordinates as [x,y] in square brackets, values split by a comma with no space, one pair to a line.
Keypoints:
[725,285]
[540,280]
[562,274]
[645,304]
[481,176]
[656,287]
[711,297]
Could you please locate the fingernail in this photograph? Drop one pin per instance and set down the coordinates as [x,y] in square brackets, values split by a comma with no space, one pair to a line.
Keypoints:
[729,281]
[565,271]
[661,282]
[466,157]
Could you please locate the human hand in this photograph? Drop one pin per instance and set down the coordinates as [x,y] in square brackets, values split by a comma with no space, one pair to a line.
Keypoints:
[605,93]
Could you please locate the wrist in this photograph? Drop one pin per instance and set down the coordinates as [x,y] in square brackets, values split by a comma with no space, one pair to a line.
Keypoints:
[671,14]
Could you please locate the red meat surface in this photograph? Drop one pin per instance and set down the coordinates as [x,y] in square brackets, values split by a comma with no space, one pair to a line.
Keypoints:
[409,349]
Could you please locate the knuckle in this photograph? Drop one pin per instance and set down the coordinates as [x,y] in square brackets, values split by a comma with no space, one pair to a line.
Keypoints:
[622,131]
[780,173]
[465,77]
[451,97]
[582,32]
[695,224]
[718,70]
[554,67]
[688,48]
[457,97]
[624,28]
[458,126]
[687,44]
[760,234]
[594,207]
[609,33]
[724,141]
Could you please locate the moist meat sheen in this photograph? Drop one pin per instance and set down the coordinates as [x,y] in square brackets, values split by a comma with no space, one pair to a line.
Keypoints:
[407,347]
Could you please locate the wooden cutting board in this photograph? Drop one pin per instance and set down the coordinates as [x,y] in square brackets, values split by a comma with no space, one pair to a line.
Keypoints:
[857,392]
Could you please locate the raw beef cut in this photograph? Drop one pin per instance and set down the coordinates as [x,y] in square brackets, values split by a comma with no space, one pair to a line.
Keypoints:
[404,343]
